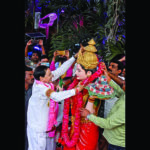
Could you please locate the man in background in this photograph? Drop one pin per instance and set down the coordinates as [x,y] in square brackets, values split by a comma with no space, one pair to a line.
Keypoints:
[29,79]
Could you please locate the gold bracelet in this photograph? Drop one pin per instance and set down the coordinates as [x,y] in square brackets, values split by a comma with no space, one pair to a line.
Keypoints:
[49,92]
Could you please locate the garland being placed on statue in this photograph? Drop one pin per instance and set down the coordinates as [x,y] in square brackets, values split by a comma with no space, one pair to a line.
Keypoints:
[65,139]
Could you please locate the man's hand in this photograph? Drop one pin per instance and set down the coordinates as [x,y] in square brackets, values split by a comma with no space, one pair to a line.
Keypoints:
[40,42]
[29,42]
[104,68]
[67,53]
[81,48]
[53,128]
[84,112]
[79,88]
[55,54]
[38,64]
[76,55]
[122,59]
[59,88]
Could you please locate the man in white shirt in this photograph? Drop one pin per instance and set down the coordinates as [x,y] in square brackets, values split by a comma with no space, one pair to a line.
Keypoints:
[37,115]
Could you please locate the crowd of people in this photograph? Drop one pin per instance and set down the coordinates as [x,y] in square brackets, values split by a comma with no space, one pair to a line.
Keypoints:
[74,102]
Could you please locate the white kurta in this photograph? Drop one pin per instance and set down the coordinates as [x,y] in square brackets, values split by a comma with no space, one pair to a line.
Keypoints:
[37,114]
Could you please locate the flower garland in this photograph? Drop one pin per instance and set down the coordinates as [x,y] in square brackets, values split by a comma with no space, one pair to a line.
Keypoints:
[65,139]
[53,110]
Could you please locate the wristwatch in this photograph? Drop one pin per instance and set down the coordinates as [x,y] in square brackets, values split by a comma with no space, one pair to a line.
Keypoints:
[88,116]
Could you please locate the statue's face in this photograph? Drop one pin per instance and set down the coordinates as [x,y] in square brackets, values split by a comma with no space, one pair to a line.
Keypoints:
[81,74]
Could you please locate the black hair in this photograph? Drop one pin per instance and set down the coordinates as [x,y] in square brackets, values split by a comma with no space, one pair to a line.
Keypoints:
[28,68]
[40,71]
[84,41]
[38,53]
[44,56]
[118,56]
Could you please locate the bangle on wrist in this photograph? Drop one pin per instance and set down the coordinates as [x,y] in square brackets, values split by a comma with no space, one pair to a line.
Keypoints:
[49,92]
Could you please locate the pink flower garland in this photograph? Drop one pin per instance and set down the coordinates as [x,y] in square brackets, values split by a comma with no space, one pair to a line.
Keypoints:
[65,139]
[53,111]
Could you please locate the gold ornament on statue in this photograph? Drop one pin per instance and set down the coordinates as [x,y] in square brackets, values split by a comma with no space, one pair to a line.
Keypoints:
[88,58]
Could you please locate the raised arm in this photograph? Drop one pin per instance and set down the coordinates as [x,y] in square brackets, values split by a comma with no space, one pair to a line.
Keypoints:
[62,69]
[26,48]
[52,65]
[109,78]
[41,44]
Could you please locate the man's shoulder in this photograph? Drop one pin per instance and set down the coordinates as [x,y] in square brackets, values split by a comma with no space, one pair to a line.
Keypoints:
[41,86]
[30,89]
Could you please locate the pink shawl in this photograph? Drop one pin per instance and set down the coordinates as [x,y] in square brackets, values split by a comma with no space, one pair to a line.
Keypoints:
[53,112]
